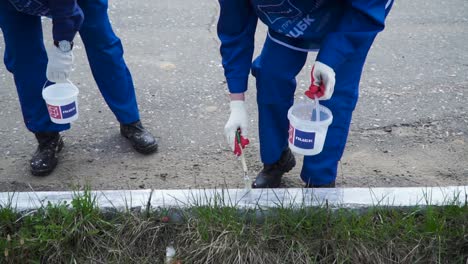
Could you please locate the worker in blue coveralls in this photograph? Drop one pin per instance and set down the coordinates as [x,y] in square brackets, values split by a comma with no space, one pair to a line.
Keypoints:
[32,66]
[342,31]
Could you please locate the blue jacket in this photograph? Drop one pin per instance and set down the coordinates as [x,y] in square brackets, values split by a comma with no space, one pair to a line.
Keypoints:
[66,15]
[339,28]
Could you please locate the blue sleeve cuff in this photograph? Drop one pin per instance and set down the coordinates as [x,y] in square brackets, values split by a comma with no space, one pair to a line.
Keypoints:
[237,85]
[331,57]
[67,19]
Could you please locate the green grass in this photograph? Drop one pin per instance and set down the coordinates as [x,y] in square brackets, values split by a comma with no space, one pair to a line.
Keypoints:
[80,233]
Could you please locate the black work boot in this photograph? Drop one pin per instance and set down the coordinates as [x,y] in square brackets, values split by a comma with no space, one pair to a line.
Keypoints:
[44,160]
[142,140]
[330,185]
[270,176]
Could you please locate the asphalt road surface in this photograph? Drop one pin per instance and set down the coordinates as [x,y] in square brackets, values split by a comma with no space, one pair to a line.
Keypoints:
[410,127]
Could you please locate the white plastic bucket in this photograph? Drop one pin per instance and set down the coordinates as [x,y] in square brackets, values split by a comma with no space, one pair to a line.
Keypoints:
[308,127]
[62,102]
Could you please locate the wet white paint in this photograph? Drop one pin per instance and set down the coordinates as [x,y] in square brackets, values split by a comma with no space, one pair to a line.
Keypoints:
[266,198]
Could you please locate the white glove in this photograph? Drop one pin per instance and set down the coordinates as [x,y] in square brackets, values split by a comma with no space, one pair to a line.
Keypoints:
[60,64]
[323,81]
[237,119]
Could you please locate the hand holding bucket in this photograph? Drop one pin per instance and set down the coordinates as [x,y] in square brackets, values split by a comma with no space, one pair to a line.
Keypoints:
[322,82]
[62,102]
[308,122]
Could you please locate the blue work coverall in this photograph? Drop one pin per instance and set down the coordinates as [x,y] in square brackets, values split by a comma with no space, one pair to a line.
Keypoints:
[341,30]
[26,57]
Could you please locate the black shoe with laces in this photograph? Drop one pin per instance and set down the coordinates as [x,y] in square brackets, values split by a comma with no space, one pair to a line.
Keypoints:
[142,140]
[44,160]
[270,176]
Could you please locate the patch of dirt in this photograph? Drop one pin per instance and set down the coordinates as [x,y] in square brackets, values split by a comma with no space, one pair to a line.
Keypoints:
[429,153]
[418,154]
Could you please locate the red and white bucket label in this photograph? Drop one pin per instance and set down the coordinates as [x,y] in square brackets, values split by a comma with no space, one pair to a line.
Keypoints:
[54,111]
[62,112]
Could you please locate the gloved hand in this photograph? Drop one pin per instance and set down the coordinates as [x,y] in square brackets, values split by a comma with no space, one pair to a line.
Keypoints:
[237,120]
[60,64]
[323,82]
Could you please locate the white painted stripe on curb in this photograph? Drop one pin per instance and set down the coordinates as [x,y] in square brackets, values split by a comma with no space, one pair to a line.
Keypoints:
[338,197]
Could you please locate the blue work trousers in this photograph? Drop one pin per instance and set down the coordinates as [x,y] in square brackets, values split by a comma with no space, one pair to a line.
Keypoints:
[275,70]
[26,58]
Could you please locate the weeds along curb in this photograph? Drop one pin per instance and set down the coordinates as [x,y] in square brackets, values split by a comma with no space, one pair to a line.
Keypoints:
[351,198]
[343,225]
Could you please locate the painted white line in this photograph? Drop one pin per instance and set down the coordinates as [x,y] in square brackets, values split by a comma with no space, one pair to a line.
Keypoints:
[338,197]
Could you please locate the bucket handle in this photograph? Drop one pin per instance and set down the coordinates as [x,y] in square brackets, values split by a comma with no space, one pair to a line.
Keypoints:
[45,83]
[316,106]
[44,86]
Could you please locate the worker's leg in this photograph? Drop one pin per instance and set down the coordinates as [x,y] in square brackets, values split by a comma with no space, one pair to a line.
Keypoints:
[26,58]
[275,71]
[321,169]
[105,55]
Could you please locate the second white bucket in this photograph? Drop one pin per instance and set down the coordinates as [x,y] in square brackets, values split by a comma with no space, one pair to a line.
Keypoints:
[62,102]
[308,127]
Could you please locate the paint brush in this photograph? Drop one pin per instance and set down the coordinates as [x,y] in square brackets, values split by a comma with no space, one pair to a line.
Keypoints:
[244,164]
